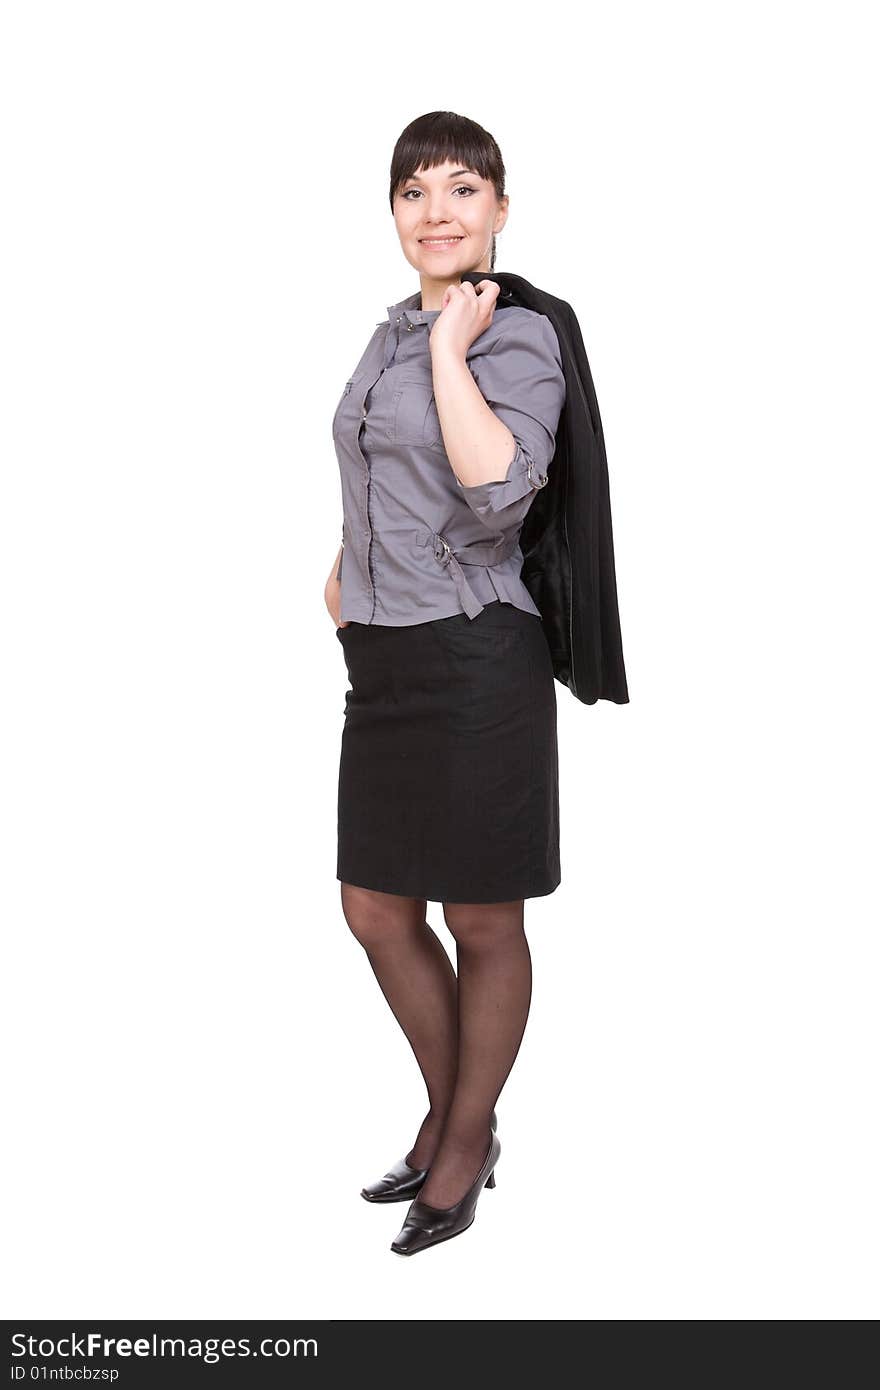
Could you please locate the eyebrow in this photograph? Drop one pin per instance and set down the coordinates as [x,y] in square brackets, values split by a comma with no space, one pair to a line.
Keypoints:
[454,175]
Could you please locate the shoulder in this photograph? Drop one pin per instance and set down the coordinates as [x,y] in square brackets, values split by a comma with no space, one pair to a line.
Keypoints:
[515,325]
[371,352]
[513,331]
[515,318]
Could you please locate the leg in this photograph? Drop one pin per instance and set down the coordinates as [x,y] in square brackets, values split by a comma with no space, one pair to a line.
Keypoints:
[494,994]
[416,976]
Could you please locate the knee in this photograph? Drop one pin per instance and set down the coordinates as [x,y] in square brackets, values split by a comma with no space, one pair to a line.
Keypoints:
[373,921]
[483,926]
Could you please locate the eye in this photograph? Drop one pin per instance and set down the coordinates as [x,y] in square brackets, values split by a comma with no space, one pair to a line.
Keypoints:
[462,188]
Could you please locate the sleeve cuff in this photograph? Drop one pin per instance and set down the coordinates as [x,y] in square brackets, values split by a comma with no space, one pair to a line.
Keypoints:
[523,478]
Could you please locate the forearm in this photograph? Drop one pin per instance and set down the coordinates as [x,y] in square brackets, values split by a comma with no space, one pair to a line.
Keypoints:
[479,446]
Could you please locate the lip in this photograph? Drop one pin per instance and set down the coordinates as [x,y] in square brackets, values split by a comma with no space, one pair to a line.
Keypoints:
[440,243]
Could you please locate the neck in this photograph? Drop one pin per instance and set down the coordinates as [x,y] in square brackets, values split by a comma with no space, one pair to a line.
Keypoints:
[433,290]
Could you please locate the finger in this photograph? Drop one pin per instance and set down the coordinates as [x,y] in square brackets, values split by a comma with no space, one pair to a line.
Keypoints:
[485,286]
[451,292]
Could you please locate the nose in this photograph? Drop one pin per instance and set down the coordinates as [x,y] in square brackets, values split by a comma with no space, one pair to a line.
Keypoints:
[435,211]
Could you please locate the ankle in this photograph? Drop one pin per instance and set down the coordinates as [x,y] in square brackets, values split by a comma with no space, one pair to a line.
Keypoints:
[466,1142]
[437,1116]
[428,1140]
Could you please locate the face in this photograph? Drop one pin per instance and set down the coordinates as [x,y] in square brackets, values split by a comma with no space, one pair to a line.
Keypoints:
[445,218]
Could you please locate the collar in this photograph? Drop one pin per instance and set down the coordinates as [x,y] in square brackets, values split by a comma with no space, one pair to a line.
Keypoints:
[409,310]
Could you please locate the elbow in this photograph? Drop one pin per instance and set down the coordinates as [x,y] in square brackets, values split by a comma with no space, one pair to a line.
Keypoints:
[504,501]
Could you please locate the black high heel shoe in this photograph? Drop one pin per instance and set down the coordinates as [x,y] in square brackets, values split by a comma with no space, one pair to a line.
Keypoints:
[401,1183]
[426,1225]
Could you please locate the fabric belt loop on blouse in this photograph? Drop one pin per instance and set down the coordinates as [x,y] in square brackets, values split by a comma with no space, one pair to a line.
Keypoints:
[479,553]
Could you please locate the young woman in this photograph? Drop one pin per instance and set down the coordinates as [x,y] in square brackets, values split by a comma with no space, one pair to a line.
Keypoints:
[448,777]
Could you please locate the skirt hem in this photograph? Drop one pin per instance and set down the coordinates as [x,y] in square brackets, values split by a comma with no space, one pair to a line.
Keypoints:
[535,891]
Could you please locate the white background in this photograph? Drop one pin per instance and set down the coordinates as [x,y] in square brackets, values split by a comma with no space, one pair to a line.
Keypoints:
[201,1071]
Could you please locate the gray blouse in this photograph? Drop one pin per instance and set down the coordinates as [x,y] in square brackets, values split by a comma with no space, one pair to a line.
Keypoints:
[417,544]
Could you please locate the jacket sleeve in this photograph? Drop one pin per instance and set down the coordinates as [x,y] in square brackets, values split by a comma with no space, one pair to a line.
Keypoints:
[522,381]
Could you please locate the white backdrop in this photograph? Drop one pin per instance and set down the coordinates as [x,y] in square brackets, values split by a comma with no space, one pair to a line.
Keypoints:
[201,1071]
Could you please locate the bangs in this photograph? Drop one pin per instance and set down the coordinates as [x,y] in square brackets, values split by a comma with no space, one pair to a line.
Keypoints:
[433,139]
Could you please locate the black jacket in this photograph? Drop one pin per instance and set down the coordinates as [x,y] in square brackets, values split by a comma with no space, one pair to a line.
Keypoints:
[566,540]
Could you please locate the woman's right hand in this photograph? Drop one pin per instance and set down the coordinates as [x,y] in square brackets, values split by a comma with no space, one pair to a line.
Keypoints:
[333,591]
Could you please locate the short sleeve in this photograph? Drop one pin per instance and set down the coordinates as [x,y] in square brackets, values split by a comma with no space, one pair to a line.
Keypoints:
[521,379]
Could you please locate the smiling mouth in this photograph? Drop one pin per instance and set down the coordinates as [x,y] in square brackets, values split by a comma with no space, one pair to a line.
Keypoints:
[440,240]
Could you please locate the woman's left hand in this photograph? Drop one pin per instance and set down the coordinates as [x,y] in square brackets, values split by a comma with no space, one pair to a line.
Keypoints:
[463,316]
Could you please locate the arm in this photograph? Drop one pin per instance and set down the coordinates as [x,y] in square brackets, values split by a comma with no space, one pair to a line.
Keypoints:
[479,446]
[499,415]
[333,589]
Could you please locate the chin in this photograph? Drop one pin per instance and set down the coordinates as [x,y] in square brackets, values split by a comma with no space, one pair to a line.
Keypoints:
[438,260]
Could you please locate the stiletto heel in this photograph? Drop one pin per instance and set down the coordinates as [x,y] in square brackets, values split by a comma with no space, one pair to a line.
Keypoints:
[401,1182]
[426,1225]
[490,1181]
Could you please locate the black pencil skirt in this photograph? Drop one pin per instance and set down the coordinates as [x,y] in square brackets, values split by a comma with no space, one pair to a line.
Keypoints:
[448,772]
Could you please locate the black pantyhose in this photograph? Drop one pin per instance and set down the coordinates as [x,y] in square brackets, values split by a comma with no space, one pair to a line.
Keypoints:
[465,1030]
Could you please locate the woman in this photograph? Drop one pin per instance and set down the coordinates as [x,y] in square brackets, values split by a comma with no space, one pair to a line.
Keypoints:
[448,777]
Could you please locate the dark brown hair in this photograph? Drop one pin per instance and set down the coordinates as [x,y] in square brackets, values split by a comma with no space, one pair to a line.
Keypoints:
[441,135]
